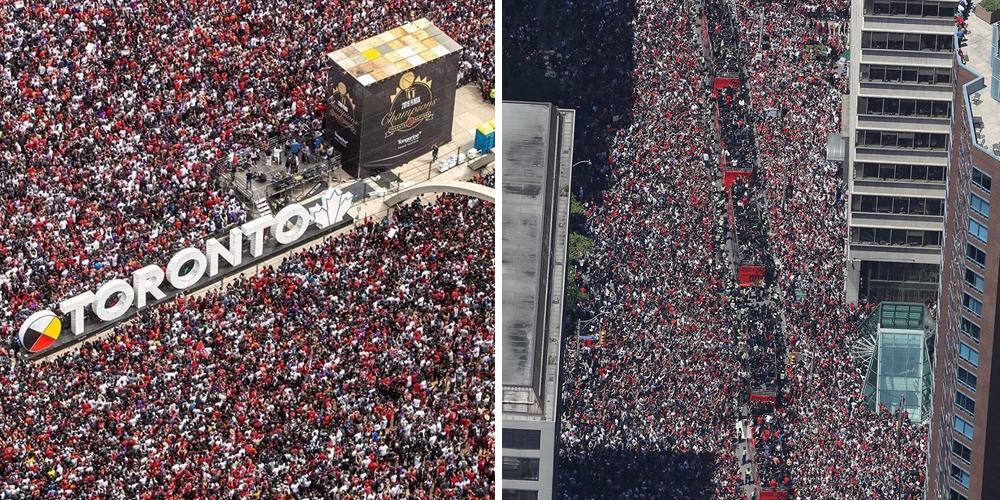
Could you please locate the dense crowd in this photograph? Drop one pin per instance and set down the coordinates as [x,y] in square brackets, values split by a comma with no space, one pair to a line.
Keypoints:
[751,238]
[651,413]
[765,348]
[580,45]
[116,117]
[735,123]
[823,410]
[659,398]
[362,368]
[771,447]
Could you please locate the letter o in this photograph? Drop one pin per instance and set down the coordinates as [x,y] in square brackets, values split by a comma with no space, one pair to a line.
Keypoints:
[177,263]
[286,214]
[108,290]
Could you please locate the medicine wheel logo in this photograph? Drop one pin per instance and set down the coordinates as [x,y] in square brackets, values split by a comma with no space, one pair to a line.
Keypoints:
[40,331]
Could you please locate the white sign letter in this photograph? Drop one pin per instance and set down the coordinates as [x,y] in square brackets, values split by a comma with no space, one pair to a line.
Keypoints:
[109,290]
[147,280]
[233,255]
[284,216]
[74,307]
[177,263]
[255,231]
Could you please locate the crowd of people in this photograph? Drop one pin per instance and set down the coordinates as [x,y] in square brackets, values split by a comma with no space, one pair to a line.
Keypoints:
[660,396]
[116,118]
[738,150]
[801,440]
[764,345]
[724,37]
[362,368]
[587,71]
[771,447]
[765,348]
[652,412]
[823,410]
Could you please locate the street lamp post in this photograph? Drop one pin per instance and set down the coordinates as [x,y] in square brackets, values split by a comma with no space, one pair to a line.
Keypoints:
[434,157]
[571,174]
[574,166]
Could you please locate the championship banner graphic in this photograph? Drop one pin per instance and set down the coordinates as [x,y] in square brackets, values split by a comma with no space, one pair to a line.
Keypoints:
[412,103]
[343,109]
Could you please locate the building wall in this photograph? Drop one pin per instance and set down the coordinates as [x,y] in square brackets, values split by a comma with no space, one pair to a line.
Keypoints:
[865,85]
[985,458]
[546,455]
[528,471]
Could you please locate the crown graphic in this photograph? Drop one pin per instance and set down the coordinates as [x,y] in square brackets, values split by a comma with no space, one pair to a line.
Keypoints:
[349,100]
[341,90]
[407,82]
[422,81]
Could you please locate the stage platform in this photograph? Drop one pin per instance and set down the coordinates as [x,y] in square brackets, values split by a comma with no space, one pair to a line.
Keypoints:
[470,112]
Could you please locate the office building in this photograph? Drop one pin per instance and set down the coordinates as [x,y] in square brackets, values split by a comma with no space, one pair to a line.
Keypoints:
[538,155]
[965,427]
[897,119]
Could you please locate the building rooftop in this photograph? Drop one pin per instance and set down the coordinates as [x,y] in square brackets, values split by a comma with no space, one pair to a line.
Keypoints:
[538,149]
[395,51]
[979,51]
[526,176]
[903,315]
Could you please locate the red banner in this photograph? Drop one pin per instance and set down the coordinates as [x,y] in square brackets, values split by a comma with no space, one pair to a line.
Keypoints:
[731,176]
[763,398]
[774,495]
[719,83]
[751,276]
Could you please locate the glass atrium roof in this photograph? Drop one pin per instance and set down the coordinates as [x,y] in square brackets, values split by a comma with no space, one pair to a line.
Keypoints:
[893,347]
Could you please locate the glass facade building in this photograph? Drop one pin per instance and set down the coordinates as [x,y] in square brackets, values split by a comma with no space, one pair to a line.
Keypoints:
[897,121]
[964,455]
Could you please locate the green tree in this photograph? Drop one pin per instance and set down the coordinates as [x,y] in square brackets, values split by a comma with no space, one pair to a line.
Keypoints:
[575,207]
[573,293]
[577,215]
[579,246]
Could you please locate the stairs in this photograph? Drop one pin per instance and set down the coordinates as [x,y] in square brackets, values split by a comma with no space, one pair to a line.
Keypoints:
[263,207]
